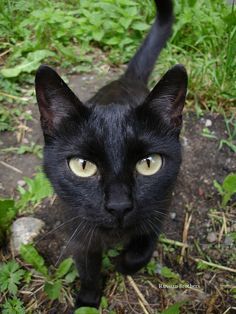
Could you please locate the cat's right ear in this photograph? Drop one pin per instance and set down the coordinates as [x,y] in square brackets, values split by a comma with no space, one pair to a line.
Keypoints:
[166,101]
[55,99]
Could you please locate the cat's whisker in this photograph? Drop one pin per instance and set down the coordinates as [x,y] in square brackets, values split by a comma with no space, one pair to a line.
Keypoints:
[85,229]
[152,227]
[155,202]
[56,228]
[157,218]
[68,242]
[89,243]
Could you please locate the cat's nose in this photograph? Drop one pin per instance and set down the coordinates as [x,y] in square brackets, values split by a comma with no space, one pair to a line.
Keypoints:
[119,209]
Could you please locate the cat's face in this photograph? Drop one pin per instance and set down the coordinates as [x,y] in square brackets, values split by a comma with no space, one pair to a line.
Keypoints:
[115,165]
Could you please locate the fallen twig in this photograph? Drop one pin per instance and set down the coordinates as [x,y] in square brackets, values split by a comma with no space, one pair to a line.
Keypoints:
[140,295]
[172,242]
[13,96]
[223,228]
[187,222]
[11,167]
[197,260]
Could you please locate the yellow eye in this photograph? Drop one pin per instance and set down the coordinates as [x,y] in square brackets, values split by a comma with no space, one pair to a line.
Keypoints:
[149,165]
[82,168]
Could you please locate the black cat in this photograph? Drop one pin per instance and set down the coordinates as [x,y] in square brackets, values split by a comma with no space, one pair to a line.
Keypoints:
[114,160]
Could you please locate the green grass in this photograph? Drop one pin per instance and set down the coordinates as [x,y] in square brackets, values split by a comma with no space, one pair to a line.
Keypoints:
[68,34]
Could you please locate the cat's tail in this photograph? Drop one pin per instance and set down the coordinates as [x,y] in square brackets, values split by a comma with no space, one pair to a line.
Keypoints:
[142,63]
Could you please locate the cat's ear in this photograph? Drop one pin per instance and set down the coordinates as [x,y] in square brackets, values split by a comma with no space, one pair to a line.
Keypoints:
[166,100]
[55,99]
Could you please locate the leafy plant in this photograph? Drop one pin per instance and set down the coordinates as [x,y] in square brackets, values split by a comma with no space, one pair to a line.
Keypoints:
[23,149]
[227,189]
[11,275]
[65,273]
[86,310]
[207,133]
[31,256]
[230,124]
[151,268]
[173,309]
[168,273]
[38,188]
[8,211]
[27,65]
[13,306]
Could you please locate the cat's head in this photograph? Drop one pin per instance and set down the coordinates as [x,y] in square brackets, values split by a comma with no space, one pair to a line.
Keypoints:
[114,164]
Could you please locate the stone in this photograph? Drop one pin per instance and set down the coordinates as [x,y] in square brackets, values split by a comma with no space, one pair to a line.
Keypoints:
[172,215]
[211,237]
[228,241]
[208,123]
[23,231]
[21,183]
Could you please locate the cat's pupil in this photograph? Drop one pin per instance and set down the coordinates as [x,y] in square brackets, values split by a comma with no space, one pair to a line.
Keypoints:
[148,162]
[84,164]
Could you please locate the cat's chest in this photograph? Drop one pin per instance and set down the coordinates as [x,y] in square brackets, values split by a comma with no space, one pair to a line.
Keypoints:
[113,238]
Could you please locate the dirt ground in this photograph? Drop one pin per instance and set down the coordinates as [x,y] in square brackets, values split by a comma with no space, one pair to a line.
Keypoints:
[194,196]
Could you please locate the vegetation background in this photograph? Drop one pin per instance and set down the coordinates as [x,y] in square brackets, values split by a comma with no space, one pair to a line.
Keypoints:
[83,36]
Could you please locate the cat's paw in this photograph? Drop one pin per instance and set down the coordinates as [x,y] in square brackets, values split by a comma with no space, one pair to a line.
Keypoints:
[85,299]
[129,262]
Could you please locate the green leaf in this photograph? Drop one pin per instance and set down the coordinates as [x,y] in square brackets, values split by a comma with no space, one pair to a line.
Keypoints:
[8,212]
[106,263]
[86,310]
[113,41]
[202,266]
[140,26]
[218,187]
[11,275]
[38,188]
[30,64]
[13,306]
[113,253]
[53,289]
[168,273]
[104,303]
[125,22]
[229,184]
[64,267]
[98,34]
[173,309]
[71,276]
[31,256]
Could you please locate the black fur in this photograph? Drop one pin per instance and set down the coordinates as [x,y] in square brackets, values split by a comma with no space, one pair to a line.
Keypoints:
[120,125]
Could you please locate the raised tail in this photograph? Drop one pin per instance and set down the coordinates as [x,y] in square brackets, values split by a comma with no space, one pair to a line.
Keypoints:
[142,63]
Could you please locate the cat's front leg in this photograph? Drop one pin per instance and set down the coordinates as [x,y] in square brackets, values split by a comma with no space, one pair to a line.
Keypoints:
[137,254]
[89,266]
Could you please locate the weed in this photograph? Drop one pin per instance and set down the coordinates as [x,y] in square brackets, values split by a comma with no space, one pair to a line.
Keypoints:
[203,40]
[8,211]
[227,189]
[38,188]
[64,274]
[23,149]
[86,310]
[173,309]
[230,124]
[207,133]
[11,275]
[13,306]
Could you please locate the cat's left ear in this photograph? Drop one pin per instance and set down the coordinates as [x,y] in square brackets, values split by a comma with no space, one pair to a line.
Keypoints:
[55,99]
[166,101]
